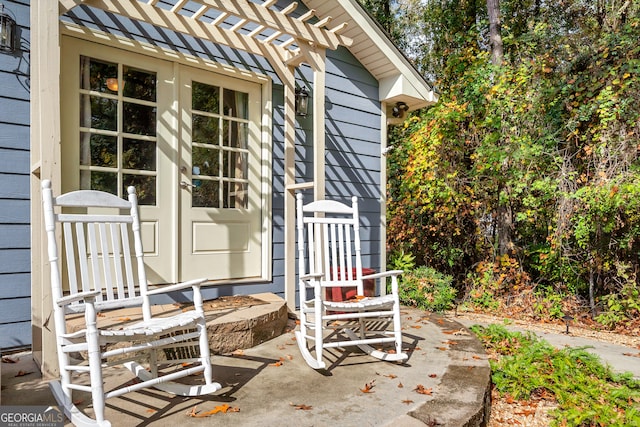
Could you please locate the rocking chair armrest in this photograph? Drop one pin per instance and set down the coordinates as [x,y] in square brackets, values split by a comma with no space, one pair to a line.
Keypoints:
[178,286]
[390,273]
[306,277]
[87,296]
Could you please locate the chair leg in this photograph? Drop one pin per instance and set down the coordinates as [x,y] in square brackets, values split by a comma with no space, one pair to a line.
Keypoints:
[95,364]
[205,353]
[397,327]
[319,324]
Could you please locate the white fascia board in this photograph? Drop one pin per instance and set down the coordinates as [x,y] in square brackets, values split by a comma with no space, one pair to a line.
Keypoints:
[400,88]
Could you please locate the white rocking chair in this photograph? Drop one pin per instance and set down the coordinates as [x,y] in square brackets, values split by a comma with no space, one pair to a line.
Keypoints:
[330,265]
[104,273]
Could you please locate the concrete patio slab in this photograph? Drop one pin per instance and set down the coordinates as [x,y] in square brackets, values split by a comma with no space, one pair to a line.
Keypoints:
[271,385]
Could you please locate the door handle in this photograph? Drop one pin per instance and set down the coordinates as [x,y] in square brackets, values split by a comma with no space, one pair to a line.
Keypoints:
[184,185]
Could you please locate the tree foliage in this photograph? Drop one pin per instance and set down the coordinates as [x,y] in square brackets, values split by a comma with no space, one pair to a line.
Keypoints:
[534,158]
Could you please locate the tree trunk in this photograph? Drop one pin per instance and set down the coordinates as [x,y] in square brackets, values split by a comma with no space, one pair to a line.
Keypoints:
[495,37]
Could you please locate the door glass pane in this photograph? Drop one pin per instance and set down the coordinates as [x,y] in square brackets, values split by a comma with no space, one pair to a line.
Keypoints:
[96,180]
[206,194]
[205,129]
[205,98]
[139,119]
[235,134]
[235,164]
[98,150]
[205,161]
[145,187]
[98,113]
[220,155]
[139,84]
[98,75]
[118,101]
[137,154]
[235,195]
[235,104]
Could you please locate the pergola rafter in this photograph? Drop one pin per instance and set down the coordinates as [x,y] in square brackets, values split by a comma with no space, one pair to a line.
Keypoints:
[240,24]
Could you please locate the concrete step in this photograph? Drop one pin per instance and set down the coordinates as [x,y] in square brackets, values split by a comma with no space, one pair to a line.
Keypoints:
[235,322]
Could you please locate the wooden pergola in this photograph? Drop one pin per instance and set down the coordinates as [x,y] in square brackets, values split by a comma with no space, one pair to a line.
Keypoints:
[285,41]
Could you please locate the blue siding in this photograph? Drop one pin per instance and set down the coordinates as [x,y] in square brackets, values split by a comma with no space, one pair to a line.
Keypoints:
[352,145]
[15,255]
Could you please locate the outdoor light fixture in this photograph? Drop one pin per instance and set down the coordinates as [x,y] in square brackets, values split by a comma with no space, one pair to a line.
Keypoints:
[399,109]
[567,319]
[112,84]
[302,101]
[7,32]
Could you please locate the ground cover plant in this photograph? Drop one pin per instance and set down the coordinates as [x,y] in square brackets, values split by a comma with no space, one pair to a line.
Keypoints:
[586,392]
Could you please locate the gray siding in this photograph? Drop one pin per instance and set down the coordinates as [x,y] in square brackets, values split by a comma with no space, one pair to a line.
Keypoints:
[352,128]
[15,256]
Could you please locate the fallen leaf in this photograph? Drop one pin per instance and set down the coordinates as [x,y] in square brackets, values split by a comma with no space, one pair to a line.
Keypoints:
[442,348]
[392,376]
[400,385]
[631,354]
[450,342]
[151,411]
[526,412]
[278,363]
[7,359]
[407,401]
[124,319]
[368,386]
[289,357]
[238,352]
[100,314]
[475,356]
[301,406]
[416,326]
[224,408]
[420,389]
[23,373]
[432,375]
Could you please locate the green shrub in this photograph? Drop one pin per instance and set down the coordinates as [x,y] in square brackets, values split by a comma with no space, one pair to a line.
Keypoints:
[427,289]
[401,260]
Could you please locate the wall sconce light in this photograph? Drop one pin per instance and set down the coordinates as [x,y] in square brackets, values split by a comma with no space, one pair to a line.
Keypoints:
[7,32]
[112,84]
[302,101]
[399,109]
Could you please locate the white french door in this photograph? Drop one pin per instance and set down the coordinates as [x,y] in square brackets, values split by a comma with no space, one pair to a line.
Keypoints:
[220,186]
[187,139]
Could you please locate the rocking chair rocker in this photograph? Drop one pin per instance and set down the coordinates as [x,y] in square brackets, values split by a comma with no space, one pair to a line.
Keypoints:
[329,262]
[103,272]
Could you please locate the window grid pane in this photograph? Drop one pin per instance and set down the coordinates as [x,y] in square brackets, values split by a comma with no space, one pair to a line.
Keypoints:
[117,103]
